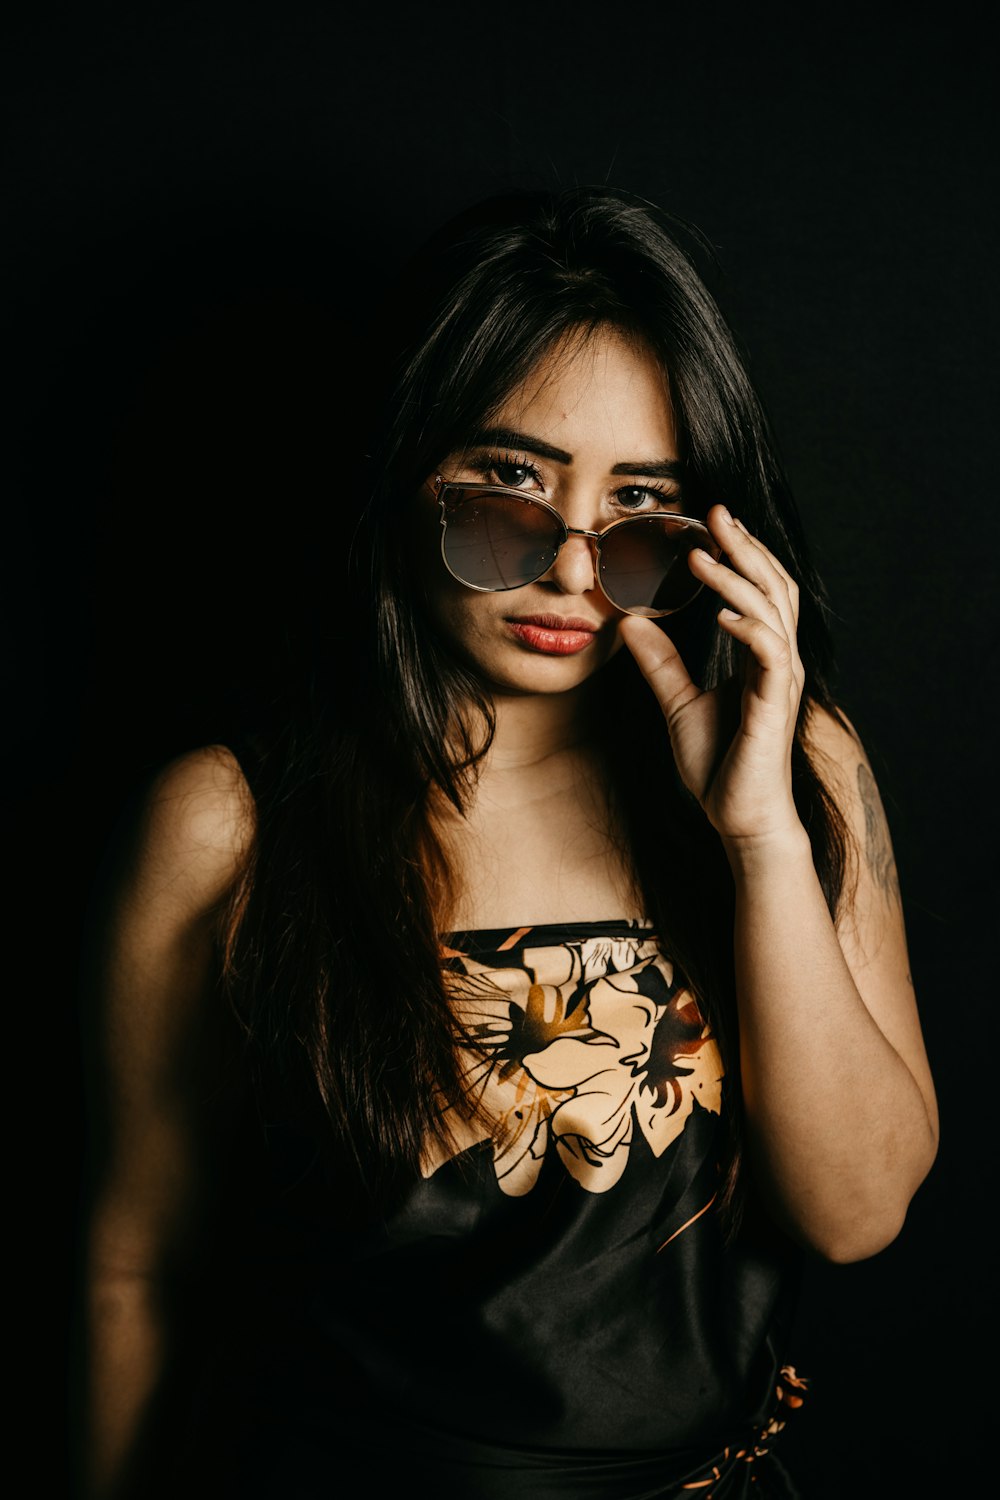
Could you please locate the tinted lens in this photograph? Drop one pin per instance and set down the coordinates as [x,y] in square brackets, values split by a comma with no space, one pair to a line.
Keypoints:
[643,563]
[500,542]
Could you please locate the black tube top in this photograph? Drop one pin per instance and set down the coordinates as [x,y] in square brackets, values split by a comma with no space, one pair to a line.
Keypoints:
[551,1310]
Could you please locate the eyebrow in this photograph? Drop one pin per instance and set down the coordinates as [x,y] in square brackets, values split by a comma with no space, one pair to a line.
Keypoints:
[653,468]
[506,437]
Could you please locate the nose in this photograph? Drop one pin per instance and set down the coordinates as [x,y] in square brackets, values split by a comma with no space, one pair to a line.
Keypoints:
[573,570]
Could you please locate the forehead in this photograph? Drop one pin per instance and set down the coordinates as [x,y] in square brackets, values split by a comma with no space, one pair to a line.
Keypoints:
[592,390]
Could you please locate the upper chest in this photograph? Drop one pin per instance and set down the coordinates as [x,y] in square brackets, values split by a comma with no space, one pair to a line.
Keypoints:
[537,846]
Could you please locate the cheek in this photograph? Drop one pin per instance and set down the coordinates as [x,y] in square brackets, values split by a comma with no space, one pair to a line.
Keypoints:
[467,619]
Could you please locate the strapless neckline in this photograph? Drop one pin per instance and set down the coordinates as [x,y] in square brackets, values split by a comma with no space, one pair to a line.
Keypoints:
[499,939]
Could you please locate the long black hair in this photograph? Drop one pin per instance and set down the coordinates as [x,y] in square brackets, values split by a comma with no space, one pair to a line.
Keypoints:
[332,938]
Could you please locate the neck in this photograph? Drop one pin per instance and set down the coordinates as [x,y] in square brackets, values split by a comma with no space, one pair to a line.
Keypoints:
[533,728]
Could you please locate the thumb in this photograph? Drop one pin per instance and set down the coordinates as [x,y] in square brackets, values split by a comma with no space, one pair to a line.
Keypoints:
[659,662]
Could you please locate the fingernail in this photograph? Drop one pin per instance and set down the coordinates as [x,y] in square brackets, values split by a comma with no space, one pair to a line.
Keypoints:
[728,614]
[725,515]
[706,555]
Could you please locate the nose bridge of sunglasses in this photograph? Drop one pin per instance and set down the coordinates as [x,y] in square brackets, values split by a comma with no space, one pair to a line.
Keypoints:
[576,559]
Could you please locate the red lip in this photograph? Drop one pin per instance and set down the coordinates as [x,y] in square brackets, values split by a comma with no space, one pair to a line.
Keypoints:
[556,622]
[553,635]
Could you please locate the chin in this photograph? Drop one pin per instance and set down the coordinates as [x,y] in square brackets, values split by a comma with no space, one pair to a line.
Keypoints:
[523,673]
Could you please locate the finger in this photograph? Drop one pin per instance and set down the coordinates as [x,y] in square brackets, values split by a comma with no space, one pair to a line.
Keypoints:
[790,583]
[753,560]
[759,564]
[742,594]
[790,593]
[776,681]
[660,663]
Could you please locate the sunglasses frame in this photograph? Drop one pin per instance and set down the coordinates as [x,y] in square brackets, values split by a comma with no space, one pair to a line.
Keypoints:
[442,486]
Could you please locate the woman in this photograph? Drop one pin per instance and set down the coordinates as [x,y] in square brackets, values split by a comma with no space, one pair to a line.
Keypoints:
[561,934]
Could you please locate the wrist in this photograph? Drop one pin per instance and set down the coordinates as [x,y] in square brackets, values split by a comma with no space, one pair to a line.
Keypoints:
[753,855]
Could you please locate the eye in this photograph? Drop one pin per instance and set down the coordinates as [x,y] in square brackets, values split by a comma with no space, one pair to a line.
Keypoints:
[511,474]
[508,470]
[642,497]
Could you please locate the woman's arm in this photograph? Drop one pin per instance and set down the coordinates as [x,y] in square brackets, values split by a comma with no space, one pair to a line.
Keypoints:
[840,1107]
[839,1097]
[156,1025]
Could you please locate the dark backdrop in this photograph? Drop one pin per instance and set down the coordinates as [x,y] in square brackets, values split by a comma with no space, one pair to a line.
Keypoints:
[200,203]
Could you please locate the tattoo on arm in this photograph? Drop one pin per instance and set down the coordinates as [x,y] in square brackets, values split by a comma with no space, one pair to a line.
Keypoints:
[878,849]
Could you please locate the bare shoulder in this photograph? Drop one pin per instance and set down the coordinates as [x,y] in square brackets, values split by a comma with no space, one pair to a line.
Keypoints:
[833,740]
[839,757]
[195,825]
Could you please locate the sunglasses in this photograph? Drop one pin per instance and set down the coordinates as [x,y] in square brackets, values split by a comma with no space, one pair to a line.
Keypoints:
[494,539]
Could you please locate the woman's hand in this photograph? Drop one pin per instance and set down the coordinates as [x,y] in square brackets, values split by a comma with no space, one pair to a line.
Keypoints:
[840,1107]
[733,744]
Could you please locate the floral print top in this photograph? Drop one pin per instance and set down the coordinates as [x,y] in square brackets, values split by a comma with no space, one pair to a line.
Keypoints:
[574,1043]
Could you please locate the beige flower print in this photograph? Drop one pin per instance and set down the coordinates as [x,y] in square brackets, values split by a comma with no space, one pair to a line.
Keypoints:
[572,1052]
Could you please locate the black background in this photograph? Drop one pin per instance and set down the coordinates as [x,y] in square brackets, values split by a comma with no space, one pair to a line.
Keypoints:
[200,202]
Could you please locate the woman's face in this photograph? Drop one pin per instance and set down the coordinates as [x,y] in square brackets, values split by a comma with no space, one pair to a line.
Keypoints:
[591,431]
